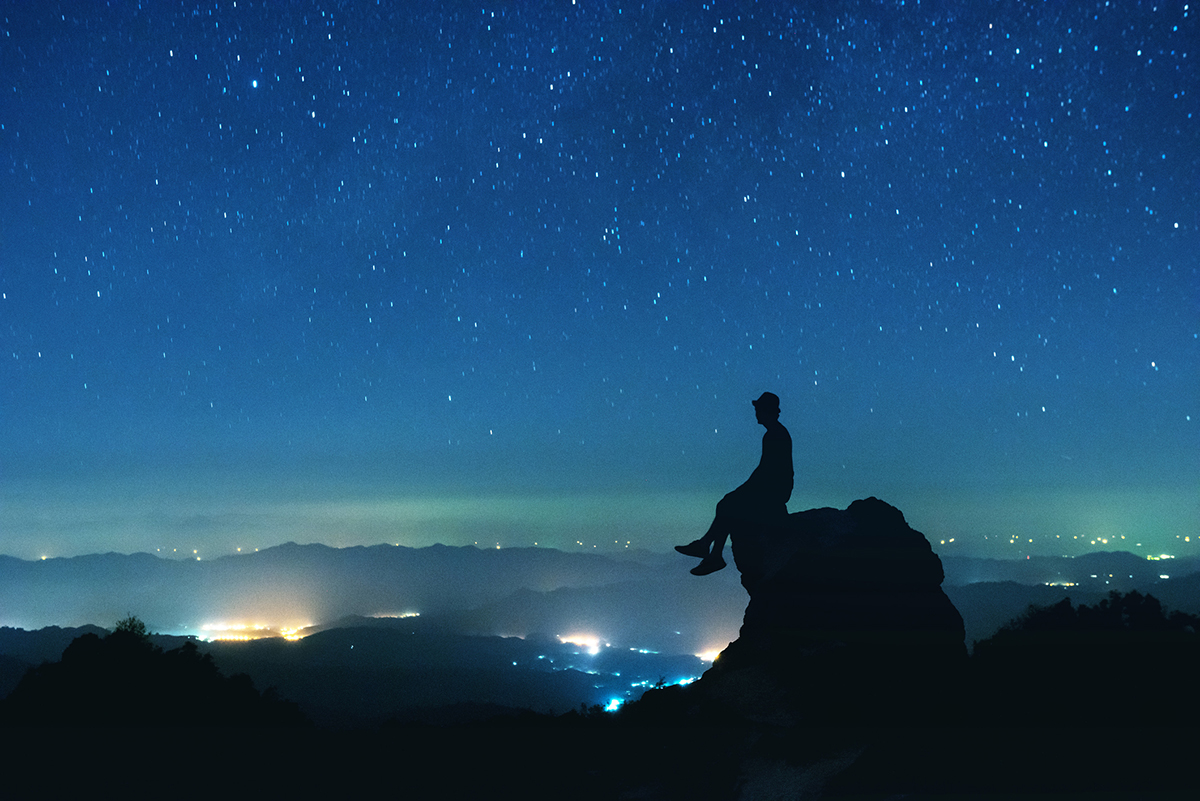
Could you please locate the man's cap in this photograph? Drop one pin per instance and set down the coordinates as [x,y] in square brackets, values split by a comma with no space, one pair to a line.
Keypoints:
[767,400]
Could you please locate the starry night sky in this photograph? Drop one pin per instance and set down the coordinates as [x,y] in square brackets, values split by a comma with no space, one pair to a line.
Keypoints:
[511,273]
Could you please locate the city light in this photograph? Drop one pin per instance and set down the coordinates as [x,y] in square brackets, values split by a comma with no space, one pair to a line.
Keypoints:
[586,641]
[244,632]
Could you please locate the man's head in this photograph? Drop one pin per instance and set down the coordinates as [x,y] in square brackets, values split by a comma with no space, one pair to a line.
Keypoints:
[766,407]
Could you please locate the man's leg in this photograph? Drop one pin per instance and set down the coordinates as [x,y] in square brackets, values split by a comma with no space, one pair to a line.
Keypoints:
[699,548]
[716,536]
[714,561]
[739,509]
[702,547]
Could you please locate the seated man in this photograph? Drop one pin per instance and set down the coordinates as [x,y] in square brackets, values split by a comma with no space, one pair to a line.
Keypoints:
[762,500]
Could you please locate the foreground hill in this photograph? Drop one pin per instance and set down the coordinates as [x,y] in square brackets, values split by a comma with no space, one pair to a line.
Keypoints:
[21,650]
[849,678]
[123,679]
[356,676]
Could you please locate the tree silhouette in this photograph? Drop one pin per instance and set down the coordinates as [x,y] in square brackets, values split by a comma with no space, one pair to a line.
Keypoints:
[126,680]
[132,625]
[1108,664]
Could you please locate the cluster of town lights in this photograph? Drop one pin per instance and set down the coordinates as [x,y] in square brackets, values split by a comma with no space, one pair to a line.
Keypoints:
[244,632]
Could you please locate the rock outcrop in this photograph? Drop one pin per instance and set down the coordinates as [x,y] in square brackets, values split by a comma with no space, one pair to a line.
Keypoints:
[847,621]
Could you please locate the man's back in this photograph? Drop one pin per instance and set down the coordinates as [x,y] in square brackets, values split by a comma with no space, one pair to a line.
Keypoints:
[774,475]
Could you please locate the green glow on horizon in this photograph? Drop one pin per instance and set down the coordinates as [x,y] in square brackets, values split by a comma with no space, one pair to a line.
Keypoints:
[211,520]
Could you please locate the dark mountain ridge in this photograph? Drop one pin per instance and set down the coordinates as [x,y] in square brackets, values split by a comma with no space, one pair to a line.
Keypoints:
[1102,571]
[299,584]
[991,592]
[847,627]
[644,600]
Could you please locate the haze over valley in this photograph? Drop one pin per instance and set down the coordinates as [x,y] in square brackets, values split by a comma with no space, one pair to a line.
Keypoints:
[411,629]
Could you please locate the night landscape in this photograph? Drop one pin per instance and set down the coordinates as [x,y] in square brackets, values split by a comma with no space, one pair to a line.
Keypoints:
[365,366]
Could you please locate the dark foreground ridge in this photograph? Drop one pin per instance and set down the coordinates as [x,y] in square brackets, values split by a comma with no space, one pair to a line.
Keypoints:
[124,680]
[849,680]
[847,620]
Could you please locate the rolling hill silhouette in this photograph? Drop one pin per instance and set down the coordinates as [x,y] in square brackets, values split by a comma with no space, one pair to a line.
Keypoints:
[851,639]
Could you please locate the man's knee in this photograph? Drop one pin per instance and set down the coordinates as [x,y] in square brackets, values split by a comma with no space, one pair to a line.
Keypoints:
[731,508]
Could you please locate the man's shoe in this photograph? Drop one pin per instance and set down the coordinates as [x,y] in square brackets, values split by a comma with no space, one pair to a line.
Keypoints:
[696,548]
[711,564]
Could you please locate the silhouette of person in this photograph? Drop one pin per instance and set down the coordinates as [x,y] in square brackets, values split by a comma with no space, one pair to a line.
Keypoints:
[761,500]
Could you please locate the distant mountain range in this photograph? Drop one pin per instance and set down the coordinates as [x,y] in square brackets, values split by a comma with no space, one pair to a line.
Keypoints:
[642,599]
[991,592]
[490,622]
[1100,570]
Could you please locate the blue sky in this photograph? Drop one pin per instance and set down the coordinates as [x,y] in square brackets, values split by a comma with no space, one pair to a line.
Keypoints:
[262,266]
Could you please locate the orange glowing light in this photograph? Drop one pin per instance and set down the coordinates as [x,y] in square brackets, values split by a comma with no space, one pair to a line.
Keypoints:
[588,641]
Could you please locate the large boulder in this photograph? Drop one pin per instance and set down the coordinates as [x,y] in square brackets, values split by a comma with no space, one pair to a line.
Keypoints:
[847,620]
